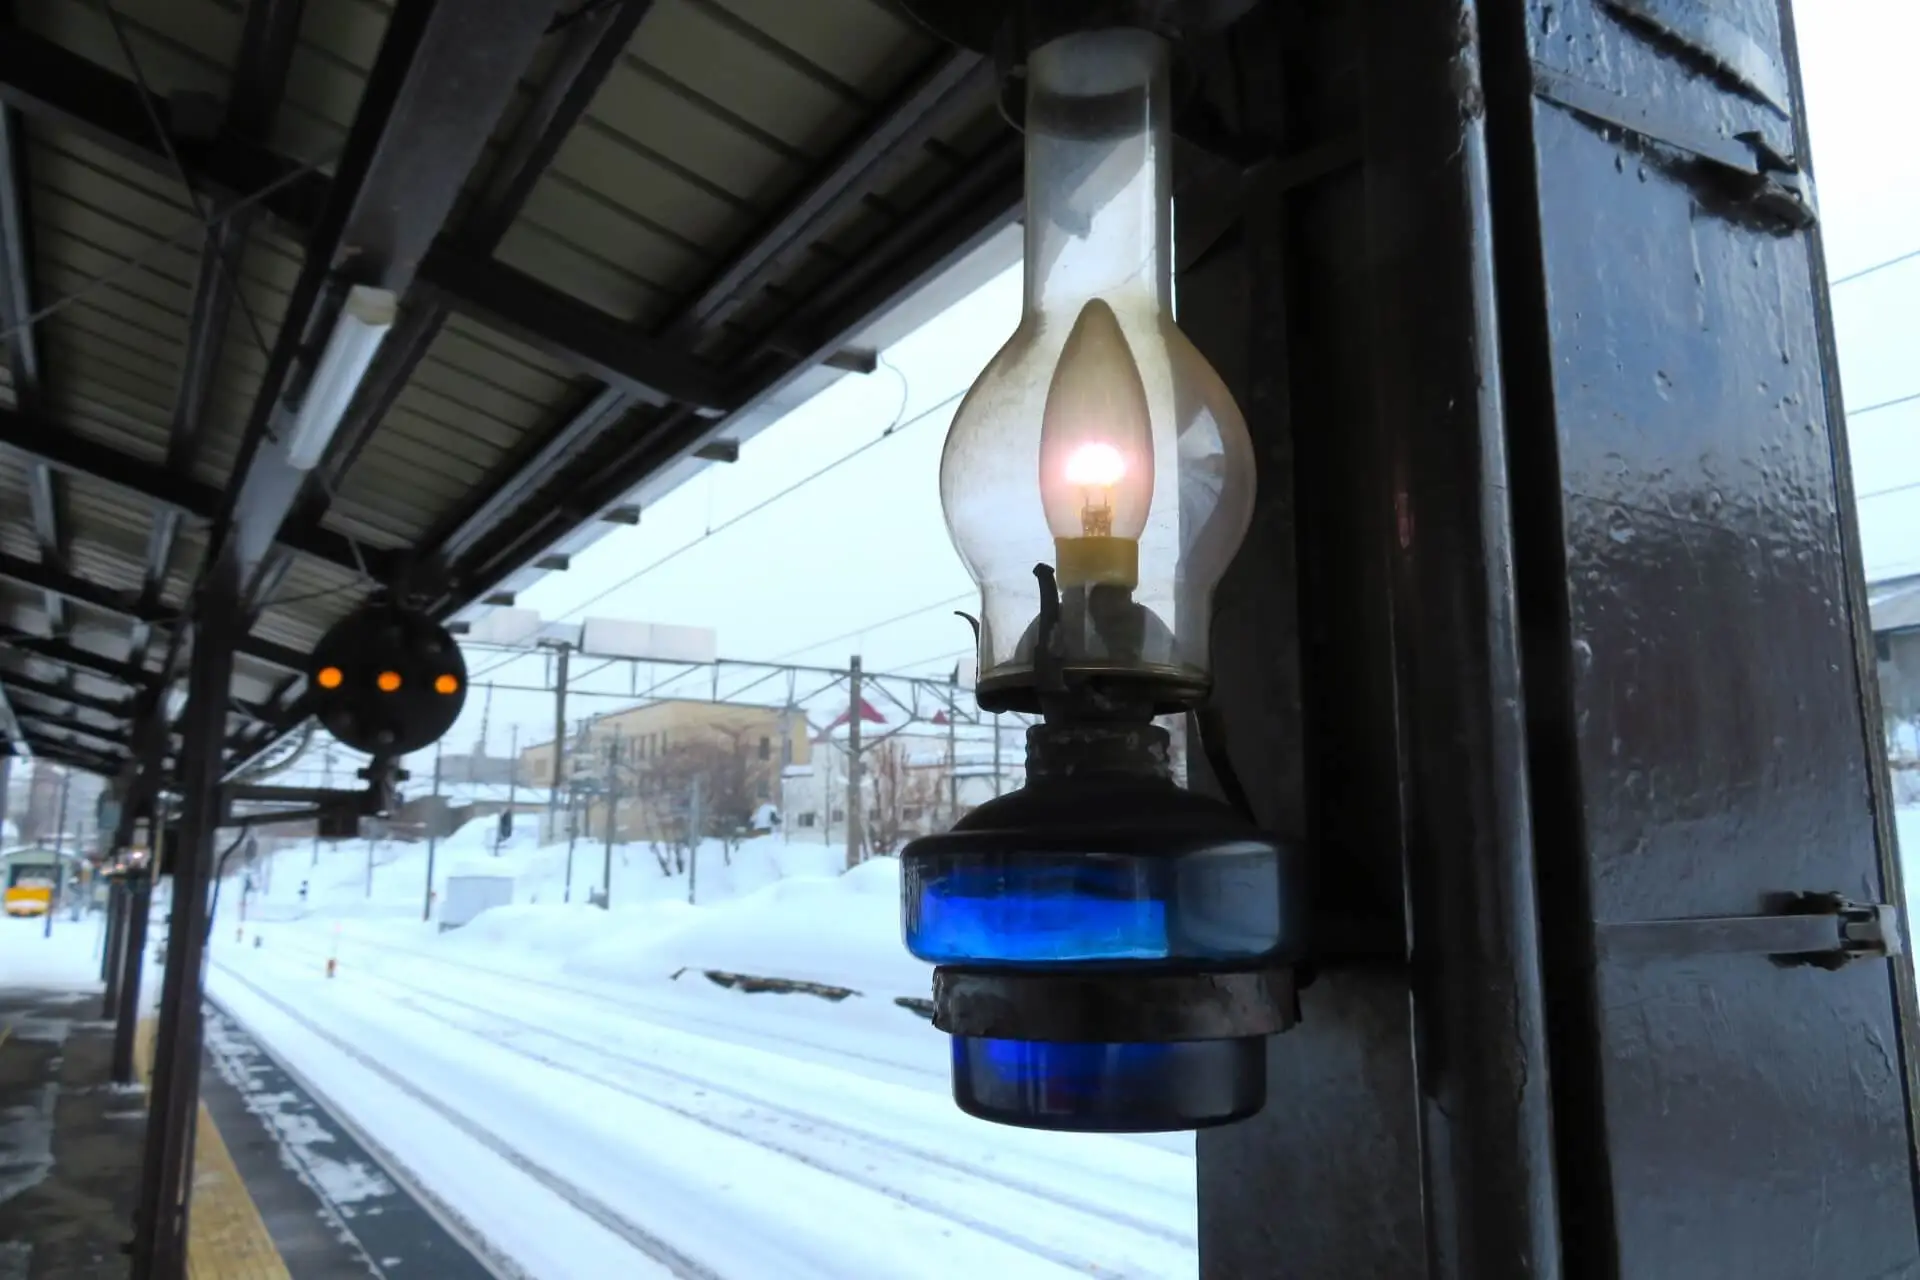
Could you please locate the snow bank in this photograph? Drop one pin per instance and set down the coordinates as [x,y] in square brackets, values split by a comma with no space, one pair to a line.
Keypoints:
[770,907]
[66,960]
[841,930]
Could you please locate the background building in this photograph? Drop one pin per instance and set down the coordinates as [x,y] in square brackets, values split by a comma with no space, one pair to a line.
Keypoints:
[673,770]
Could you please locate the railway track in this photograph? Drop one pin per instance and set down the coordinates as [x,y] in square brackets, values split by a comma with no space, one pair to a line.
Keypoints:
[935,1183]
[630,1006]
[638,1012]
[576,1196]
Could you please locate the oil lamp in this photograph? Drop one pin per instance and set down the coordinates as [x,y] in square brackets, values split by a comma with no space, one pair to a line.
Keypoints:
[1113,950]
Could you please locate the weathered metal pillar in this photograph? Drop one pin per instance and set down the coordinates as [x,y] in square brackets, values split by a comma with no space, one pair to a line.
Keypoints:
[109,940]
[1549,637]
[161,1230]
[1370,675]
[133,953]
[1699,691]
[131,962]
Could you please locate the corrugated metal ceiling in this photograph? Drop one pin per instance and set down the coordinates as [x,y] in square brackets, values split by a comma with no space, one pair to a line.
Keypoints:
[712,122]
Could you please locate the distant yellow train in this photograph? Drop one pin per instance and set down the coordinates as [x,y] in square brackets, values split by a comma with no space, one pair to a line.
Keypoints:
[30,882]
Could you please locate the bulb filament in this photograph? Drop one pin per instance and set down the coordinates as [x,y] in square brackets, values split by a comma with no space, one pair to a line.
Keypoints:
[1095,468]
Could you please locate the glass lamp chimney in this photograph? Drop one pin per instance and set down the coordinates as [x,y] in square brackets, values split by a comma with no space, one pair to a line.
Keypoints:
[1098,440]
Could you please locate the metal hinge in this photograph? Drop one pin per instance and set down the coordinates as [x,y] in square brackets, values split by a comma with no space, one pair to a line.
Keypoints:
[1763,177]
[1826,930]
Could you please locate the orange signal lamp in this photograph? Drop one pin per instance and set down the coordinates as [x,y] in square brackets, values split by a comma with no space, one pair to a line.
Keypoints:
[330,677]
[389,681]
[447,684]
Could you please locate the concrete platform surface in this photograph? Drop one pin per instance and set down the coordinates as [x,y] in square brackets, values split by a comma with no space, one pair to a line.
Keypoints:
[281,1191]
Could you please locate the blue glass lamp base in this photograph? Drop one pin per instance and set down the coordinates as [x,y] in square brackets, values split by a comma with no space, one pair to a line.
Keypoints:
[1110,1088]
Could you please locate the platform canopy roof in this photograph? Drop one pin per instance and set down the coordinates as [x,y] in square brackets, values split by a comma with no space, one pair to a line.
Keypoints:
[625,235]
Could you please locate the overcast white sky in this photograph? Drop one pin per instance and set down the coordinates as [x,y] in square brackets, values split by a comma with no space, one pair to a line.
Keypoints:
[819,575]
[1865,111]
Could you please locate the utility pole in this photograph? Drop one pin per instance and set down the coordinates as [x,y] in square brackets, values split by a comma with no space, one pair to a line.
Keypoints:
[612,790]
[326,782]
[853,762]
[696,829]
[433,838]
[996,753]
[59,844]
[513,779]
[559,736]
[573,833]
[486,725]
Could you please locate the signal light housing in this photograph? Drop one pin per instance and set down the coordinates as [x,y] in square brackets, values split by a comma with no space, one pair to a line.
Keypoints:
[376,679]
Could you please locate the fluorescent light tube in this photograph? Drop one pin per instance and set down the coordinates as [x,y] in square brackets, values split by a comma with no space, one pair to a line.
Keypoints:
[363,324]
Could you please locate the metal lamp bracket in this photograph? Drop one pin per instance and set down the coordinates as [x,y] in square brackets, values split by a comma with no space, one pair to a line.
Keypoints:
[1008,30]
[1825,930]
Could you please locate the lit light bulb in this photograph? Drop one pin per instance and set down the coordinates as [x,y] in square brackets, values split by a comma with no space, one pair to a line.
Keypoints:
[1096,455]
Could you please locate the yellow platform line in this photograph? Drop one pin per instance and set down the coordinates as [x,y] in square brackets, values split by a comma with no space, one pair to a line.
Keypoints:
[226,1237]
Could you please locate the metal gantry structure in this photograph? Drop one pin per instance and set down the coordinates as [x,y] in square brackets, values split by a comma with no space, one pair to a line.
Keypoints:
[1548,640]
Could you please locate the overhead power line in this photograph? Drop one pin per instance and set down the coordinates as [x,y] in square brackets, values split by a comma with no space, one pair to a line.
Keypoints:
[1884,404]
[895,428]
[1864,272]
[875,626]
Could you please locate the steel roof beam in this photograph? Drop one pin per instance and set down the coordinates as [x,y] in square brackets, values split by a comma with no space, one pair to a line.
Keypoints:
[66,724]
[444,75]
[10,730]
[40,577]
[55,650]
[266,55]
[586,467]
[461,273]
[47,81]
[68,451]
[486,543]
[644,369]
[11,680]
[592,48]
[910,121]
[149,686]
[51,579]
[23,351]
[72,755]
[979,202]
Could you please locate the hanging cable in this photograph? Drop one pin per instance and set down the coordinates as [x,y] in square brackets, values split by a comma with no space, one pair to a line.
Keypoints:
[1864,272]
[949,602]
[895,428]
[147,101]
[144,259]
[219,870]
[1851,414]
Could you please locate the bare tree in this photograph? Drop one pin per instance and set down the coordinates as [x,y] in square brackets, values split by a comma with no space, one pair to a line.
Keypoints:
[730,779]
[903,796]
[737,780]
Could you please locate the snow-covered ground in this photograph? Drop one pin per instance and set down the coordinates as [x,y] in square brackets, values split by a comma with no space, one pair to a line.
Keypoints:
[65,959]
[567,1081]
[566,1084]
